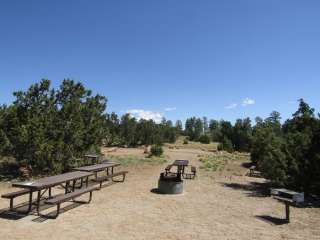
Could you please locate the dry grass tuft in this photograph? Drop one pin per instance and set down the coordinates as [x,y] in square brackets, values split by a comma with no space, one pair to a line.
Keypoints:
[130,160]
[211,147]
[218,160]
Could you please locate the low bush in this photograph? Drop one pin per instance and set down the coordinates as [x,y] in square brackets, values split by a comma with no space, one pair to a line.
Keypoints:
[156,150]
[205,139]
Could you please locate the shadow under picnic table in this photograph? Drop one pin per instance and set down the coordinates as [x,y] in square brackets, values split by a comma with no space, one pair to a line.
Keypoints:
[20,210]
[254,189]
[52,215]
[272,220]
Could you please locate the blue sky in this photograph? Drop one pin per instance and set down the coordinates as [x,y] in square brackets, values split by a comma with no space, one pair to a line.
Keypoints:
[220,59]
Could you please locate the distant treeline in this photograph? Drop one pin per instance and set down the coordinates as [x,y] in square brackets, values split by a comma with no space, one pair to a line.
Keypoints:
[48,131]
[287,154]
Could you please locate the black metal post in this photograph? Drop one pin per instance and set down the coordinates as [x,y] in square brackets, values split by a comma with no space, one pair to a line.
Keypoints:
[287,212]
[38,201]
[30,201]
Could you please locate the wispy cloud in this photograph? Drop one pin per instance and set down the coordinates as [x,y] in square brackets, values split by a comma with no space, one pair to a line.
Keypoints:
[145,114]
[231,106]
[247,101]
[169,109]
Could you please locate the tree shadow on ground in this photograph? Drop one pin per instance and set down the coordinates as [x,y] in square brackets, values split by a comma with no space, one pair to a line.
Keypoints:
[272,220]
[258,189]
[253,189]
[247,164]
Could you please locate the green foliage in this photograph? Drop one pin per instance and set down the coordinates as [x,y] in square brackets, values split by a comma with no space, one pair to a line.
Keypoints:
[242,134]
[9,168]
[289,155]
[127,131]
[130,132]
[194,128]
[179,128]
[214,129]
[205,139]
[185,141]
[49,130]
[226,145]
[156,150]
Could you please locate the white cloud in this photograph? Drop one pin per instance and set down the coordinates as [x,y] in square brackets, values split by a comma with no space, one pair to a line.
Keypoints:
[145,114]
[231,106]
[169,109]
[247,101]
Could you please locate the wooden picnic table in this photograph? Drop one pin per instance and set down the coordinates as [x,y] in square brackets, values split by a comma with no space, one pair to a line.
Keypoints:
[47,183]
[98,168]
[93,158]
[181,164]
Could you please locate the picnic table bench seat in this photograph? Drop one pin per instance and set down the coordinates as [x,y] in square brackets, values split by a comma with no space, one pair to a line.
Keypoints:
[167,169]
[66,197]
[13,195]
[192,174]
[101,179]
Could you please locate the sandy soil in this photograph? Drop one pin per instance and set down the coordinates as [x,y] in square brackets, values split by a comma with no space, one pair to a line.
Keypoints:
[214,206]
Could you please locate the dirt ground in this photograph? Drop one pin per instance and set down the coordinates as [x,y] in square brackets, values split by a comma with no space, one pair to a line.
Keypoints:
[222,205]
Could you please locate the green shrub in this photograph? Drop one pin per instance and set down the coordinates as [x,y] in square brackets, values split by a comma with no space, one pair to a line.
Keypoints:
[205,139]
[156,150]
[185,141]
[226,145]
[9,168]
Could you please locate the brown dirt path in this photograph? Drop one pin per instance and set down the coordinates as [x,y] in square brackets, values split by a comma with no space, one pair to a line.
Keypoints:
[214,206]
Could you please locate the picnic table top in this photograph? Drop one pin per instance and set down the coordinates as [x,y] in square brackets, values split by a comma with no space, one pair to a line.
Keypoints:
[287,191]
[92,155]
[181,162]
[97,167]
[52,180]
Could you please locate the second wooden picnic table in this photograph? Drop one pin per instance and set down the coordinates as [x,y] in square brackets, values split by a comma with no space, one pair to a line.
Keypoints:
[181,164]
[98,168]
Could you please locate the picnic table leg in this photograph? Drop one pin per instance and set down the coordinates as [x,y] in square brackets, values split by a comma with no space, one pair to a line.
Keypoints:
[87,181]
[11,203]
[111,170]
[38,201]
[73,185]
[107,171]
[81,183]
[30,201]
[287,212]
[49,192]
[66,188]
